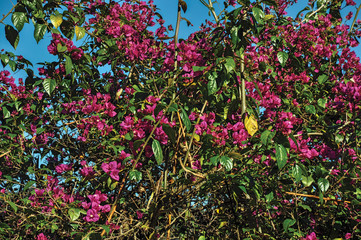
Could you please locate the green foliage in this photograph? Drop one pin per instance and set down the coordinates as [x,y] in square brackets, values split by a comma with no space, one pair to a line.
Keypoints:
[248,129]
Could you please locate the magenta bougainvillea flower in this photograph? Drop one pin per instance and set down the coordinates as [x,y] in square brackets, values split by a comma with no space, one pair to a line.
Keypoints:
[92,216]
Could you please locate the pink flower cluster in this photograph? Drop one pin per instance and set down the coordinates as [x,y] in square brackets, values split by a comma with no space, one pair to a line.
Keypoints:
[94,208]
[59,41]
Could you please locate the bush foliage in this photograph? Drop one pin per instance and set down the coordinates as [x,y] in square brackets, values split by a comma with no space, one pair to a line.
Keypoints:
[247,129]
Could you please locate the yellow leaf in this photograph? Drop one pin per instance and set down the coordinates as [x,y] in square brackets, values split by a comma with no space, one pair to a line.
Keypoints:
[56,20]
[79,32]
[269,16]
[251,125]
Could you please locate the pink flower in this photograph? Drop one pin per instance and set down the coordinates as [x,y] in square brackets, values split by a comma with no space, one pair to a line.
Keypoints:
[232,2]
[139,215]
[63,168]
[349,15]
[348,235]
[311,236]
[92,216]
[87,171]
[113,168]
[41,236]
[39,192]
[350,3]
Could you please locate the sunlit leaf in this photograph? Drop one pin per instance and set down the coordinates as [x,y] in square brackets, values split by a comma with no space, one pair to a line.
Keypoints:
[39,32]
[157,150]
[258,14]
[226,162]
[56,20]
[49,85]
[307,180]
[19,19]
[74,213]
[68,65]
[135,175]
[323,184]
[282,58]
[251,125]
[79,32]
[281,156]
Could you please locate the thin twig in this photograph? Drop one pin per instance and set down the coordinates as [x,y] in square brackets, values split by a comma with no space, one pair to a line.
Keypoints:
[5,16]
[322,6]
[354,20]
[194,130]
[310,134]
[115,202]
[211,8]
[150,136]
[5,153]
[177,24]
[317,197]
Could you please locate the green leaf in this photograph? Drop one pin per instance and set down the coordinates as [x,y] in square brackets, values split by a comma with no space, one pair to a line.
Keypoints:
[12,65]
[339,138]
[282,58]
[150,118]
[258,14]
[28,185]
[79,32]
[226,162]
[129,136]
[281,156]
[54,227]
[310,109]
[12,36]
[49,85]
[288,223]
[173,108]
[157,150]
[202,238]
[113,185]
[185,119]
[269,197]
[68,65]
[13,205]
[307,180]
[60,48]
[321,102]
[171,133]
[56,20]
[39,32]
[323,78]
[323,184]
[234,35]
[214,160]
[106,228]
[5,59]
[230,64]
[6,112]
[19,19]
[212,86]
[74,213]
[198,68]
[297,172]
[265,137]
[306,207]
[135,175]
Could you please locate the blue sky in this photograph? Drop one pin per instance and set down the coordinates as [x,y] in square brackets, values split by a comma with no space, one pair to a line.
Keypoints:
[196,13]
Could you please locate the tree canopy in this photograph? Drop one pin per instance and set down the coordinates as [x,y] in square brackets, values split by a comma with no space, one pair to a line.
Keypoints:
[247,129]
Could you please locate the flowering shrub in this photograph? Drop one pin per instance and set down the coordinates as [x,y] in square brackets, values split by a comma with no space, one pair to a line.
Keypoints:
[247,129]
